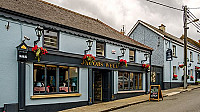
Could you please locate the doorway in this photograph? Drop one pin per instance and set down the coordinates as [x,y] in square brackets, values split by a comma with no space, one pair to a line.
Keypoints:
[101,85]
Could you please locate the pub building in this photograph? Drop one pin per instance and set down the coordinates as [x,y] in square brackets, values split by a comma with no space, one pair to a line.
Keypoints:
[54,59]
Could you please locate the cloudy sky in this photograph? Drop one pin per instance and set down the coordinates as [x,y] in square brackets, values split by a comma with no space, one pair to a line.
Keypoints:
[117,13]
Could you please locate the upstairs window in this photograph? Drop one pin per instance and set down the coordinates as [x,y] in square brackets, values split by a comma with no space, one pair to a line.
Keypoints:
[51,39]
[174,51]
[131,55]
[174,70]
[191,56]
[100,49]
[198,58]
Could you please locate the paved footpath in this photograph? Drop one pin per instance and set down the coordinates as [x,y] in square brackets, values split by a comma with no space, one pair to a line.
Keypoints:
[113,105]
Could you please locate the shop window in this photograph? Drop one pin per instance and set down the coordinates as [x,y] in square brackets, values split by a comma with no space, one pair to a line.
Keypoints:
[174,69]
[191,56]
[100,49]
[131,55]
[129,81]
[198,75]
[59,79]
[174,50]
[50,39]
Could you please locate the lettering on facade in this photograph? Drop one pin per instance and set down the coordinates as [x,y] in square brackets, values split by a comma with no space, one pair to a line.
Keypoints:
[100,64]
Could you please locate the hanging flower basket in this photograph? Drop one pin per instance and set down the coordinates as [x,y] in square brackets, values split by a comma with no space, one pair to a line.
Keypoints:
[147,66]
[191,78]
[175,77]
[122,62]
[39,51]
[197,68]
[88,57]
[181,65]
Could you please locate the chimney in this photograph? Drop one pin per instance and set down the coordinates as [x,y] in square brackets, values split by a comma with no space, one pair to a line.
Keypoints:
[122,30]
[162,27]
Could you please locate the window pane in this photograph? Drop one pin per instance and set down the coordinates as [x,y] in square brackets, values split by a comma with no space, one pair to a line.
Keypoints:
[140,81]
[73,79]
[51,78]
[174,69]
[50,39]
[64,79]
[100,49]
[136,80]
[39,78]
[120,81]
[131,55]
[131,81]
[126,80]
[174,50]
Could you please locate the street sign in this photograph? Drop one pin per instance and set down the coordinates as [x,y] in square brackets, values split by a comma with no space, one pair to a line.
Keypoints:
[155,92]
[169,55]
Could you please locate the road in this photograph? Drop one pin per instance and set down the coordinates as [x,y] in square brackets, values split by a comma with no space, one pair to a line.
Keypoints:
[183,102]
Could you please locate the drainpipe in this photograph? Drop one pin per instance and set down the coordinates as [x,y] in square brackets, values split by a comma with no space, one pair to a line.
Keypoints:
[170,66]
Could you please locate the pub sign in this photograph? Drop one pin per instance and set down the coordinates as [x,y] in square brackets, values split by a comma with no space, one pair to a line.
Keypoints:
[169,55]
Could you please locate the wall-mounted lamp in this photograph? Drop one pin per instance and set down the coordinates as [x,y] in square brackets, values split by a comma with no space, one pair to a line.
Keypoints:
[123,50]
[7,26]
[38,31]
[145,56]
[89,44]
[26,38]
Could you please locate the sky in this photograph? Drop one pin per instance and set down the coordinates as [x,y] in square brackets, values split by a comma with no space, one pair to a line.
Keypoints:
[117,13]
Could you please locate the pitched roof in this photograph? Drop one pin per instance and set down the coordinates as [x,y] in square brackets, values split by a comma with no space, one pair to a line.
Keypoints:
[193,42]
[47,11]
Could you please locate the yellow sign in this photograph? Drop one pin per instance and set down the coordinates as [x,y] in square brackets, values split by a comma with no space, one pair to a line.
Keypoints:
[23,47]
[100,64]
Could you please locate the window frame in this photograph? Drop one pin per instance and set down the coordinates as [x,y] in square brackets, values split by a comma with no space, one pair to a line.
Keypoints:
[198,58]
[57,79]
[134,55]
[138,85]
[104,50]
[58,38]
[191,56]
[174,51]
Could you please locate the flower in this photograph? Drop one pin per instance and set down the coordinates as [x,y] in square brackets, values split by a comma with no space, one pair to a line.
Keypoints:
[48,86]
[88,57]
[175,76]
[197,67]
[39,51]
[181,65]
[122,62]
[192,77]
[145,65]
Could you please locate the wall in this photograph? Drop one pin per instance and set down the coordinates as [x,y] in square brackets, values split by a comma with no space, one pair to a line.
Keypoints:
[150,38]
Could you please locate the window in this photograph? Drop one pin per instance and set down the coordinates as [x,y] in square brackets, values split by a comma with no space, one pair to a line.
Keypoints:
[56,79]
[129,81]
[174,50]
[131,55]
[50,39]
[198,58]
[100,49]
[174,69]
[191,56]
[198,75]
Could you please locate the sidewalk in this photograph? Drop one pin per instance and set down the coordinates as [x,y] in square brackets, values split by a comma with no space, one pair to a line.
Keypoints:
[113,105]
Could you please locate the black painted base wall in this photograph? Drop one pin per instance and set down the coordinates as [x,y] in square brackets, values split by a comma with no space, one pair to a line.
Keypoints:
[54,107]
[1,109]
[173,85]
[127,95]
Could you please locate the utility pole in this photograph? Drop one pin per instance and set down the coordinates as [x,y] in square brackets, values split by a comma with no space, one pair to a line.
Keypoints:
[185,46]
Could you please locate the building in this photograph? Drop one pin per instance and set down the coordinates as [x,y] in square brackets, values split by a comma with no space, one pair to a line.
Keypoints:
[166,73]
[64,78]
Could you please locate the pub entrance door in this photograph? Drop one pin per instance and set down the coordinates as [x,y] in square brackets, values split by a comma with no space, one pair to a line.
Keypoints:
[101,85]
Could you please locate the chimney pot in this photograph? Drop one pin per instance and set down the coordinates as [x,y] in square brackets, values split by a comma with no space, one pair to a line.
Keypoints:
[162,27]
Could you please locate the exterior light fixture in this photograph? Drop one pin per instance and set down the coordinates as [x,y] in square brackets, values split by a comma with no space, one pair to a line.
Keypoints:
[123,50]
[145,56]
[89,44]
[38,31]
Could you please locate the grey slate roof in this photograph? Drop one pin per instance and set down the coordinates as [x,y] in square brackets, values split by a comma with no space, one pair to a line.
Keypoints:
[47,11]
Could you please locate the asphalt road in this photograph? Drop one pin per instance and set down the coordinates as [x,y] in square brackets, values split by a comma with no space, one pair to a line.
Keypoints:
[183,102]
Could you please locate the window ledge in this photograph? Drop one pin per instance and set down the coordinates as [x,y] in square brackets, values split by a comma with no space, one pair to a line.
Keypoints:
[136,91]
[191,61]
[55,96]
[174,56]
[198,63]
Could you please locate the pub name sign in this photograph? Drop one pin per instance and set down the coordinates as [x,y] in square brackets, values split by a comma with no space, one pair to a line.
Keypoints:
[100,64]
